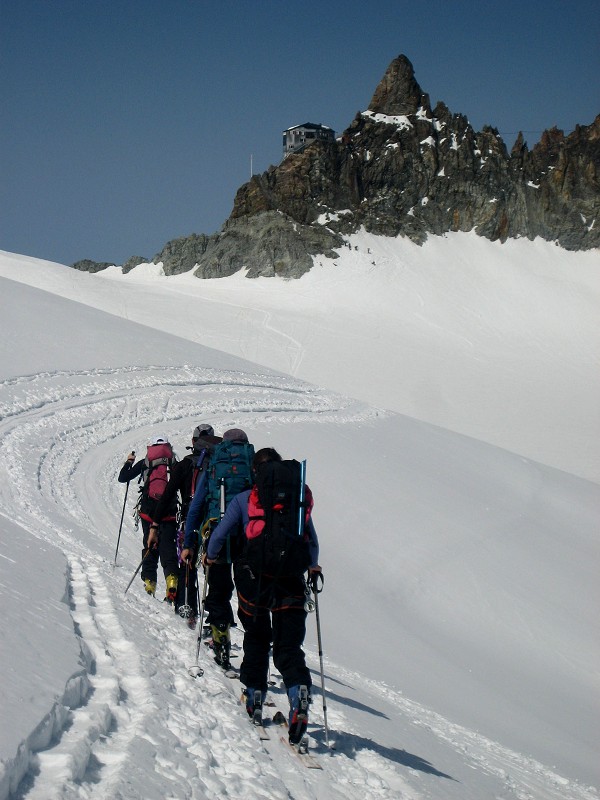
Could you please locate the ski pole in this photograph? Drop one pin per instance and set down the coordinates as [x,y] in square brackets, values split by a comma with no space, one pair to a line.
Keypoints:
[196,670]
[137,570]
[316,591]
[122,515]
[185,611]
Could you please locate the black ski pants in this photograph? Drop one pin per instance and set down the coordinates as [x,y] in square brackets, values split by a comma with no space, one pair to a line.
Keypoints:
[166,550]
[218,597]
[271,611]
[150,563]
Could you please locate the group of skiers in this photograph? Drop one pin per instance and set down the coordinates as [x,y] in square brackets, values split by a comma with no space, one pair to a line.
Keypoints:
[244,516]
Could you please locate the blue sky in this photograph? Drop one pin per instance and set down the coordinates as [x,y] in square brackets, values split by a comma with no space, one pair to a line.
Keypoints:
[129,123]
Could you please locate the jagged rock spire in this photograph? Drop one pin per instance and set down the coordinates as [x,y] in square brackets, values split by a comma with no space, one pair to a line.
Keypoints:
[398,92]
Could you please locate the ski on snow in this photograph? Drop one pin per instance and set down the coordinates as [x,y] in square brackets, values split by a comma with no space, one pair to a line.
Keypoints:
[300,749]
[263,733]
[256,720]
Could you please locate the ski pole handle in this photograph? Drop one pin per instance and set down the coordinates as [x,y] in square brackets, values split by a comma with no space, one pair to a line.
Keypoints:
[314,579]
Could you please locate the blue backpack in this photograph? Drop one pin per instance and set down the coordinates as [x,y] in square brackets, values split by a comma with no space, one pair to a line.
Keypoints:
[229,473]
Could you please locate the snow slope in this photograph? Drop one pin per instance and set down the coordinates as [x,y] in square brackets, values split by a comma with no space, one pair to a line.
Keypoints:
[460,607]
[500,342]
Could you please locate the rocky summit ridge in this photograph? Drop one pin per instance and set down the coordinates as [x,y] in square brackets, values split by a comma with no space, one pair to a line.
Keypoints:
[402,168]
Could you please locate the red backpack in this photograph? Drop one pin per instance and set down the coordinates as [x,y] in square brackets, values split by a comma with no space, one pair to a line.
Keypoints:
[159,458]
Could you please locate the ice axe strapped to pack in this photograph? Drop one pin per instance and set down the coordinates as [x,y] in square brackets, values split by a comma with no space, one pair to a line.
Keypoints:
[209,524]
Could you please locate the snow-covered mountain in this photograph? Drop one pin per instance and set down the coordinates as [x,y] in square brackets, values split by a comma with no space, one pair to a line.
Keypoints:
[460,606]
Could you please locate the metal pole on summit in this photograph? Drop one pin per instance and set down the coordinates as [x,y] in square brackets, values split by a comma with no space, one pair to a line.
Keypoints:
[122,515]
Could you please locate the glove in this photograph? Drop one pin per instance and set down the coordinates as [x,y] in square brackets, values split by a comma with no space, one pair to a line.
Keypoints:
[153,537]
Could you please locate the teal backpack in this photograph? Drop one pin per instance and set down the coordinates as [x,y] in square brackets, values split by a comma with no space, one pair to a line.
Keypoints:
[229,473]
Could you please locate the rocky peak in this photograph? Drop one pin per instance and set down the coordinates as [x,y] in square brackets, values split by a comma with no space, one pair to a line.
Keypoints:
[398,93]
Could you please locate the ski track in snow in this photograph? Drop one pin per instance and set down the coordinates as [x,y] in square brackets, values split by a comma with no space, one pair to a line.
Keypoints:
[64,436]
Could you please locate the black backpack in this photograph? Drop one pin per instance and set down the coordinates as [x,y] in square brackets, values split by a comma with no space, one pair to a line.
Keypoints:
[276,542]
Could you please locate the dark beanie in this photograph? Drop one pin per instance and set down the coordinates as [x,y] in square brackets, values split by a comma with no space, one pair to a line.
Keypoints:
[235,435]
[203,430]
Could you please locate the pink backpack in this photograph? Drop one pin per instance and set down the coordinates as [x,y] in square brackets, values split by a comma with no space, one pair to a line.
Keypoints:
[159,458]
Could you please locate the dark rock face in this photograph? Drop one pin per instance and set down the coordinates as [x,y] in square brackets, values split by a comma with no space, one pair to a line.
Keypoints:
[402,168]
[267,243]
[180,255]
[398,92]
[133,262]
[86,265]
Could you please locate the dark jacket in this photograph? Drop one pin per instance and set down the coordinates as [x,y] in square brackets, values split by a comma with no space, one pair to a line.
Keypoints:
[196,512]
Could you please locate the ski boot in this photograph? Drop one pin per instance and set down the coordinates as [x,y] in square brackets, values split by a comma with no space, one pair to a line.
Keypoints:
[299,698]
[254,703]
[150,586]
[171,581]
[221,645]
